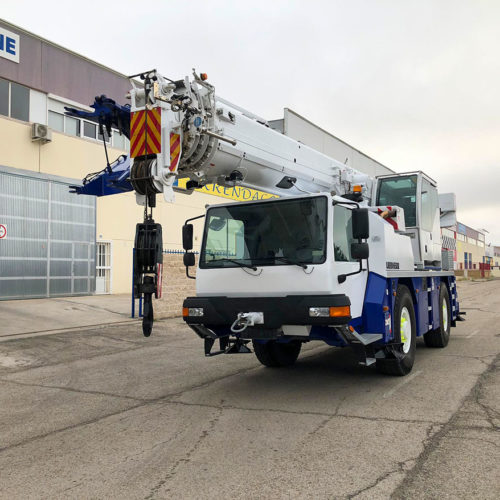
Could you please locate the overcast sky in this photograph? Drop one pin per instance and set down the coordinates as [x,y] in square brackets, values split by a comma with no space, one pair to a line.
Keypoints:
[414,84]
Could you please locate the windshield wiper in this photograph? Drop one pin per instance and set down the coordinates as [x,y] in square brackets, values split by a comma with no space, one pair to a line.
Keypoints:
[291,261]
[237,262]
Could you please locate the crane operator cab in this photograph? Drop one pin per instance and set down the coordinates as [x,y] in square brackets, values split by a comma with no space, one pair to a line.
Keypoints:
[416,193]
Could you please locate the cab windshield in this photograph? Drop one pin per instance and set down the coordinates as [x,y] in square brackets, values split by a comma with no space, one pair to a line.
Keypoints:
[273,233]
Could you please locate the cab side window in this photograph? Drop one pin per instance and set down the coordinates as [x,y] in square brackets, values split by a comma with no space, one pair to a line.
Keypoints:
[430,204]
[342,234]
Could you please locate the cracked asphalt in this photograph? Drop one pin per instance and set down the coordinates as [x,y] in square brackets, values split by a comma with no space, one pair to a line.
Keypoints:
[106,413]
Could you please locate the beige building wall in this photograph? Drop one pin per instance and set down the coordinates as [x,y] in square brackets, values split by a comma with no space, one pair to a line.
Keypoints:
[117,215]
[477,251]
[66,155]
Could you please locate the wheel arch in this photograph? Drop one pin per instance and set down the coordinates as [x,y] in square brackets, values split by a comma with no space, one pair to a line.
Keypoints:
[409,283]
[414,287]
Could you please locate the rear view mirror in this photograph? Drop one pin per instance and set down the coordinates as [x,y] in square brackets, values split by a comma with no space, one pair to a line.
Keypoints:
[189,259]
[187,236]
[360,225]
[360,251]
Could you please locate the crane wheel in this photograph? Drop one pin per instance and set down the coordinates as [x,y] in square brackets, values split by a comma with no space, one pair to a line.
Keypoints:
[401,355]
[441,336]
[276,354]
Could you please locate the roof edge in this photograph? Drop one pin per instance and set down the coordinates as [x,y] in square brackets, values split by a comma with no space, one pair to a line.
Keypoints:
[337,138]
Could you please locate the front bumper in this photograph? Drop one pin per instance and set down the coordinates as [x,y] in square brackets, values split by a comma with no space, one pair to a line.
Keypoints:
[219,313]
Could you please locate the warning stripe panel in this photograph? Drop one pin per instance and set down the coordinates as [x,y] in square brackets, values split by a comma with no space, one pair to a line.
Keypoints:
[145,132]
[175,150]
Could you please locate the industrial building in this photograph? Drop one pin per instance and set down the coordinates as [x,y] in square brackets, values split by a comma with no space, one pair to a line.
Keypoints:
[54,242]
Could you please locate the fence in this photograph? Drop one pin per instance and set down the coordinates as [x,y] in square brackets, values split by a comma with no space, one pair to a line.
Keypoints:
[476,270]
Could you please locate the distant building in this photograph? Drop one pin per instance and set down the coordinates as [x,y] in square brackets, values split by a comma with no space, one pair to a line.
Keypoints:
[496,256]
[468,245]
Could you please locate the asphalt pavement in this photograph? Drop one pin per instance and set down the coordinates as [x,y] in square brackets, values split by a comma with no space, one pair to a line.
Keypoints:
[34,317]
[102,412]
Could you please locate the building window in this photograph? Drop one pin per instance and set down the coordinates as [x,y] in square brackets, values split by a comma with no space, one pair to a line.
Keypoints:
[72,126]
[77,127]
[56,121]
[14,100]
[89,130]
[62,123]
[19,102]
[4,97]
[119,140]
[99,136]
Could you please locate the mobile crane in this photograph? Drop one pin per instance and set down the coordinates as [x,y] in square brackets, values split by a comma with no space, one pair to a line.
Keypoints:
[339,257]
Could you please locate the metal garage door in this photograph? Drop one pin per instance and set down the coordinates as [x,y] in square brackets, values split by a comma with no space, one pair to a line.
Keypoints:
[49,245]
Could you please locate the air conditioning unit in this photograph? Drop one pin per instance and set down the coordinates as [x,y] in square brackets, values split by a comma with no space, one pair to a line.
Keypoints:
[40,133]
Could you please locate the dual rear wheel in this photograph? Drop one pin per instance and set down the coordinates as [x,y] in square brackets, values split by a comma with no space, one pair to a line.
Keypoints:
[441,336]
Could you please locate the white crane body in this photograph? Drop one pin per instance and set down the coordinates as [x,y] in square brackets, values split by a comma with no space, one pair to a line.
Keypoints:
[340,257]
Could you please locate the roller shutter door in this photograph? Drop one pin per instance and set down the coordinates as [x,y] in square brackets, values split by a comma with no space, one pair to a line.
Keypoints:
[49,246]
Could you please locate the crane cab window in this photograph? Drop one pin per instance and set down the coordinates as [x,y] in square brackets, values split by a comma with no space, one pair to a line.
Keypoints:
[401,192]
[430,205]
[342,234]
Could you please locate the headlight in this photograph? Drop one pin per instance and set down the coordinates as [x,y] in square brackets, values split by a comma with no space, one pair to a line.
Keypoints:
[319,312]
[330,312]
[192,311]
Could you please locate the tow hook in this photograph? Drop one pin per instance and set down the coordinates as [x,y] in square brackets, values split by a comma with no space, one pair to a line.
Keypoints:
[245,320]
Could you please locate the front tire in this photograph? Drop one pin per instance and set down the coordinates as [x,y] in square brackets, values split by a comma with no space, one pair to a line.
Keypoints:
[401,356]
[276,354]
[441,336]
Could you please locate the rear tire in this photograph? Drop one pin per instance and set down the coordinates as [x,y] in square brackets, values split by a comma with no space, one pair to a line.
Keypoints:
[441,336]
[276,354]
[400,357]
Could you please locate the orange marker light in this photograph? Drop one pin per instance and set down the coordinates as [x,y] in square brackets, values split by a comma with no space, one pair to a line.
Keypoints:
[340,311]
[185,312]
[357,188]
[203,76]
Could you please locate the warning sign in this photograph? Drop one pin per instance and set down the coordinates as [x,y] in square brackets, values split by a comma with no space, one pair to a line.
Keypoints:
[3,231]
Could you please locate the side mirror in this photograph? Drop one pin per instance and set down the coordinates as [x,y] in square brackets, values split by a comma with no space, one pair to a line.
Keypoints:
[360,225]
[187,237]
[189,259]
[360,251]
